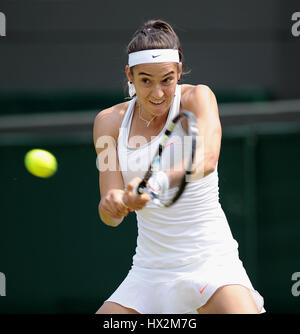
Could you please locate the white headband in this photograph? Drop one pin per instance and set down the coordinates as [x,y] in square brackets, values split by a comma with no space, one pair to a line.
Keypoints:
[153,56]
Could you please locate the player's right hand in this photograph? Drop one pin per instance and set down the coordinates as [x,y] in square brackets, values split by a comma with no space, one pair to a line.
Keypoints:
[113,205]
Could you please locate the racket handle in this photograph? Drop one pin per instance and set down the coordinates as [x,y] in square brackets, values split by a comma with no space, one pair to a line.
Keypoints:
[139,189]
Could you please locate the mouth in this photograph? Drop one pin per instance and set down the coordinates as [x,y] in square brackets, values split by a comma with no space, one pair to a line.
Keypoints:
[157,103]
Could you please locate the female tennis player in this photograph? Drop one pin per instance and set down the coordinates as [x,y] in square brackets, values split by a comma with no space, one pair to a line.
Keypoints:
[186,259]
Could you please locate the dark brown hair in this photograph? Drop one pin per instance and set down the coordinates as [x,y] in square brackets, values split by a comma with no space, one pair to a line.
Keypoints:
[155,34]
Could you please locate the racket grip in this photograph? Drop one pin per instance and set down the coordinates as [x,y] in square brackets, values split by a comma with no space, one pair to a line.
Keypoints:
[138,190]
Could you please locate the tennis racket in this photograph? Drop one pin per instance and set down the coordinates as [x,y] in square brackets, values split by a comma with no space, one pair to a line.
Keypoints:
[163,160]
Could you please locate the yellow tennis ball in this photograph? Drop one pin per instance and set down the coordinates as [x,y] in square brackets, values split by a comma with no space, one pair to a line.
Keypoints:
[40,163]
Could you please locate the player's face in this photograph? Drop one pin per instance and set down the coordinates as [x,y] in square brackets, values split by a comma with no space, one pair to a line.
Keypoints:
[155,85]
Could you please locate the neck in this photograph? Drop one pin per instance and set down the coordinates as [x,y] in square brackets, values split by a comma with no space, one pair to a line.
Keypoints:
[146,121]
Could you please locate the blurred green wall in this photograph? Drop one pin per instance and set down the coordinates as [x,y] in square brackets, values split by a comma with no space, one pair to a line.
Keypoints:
[58,257]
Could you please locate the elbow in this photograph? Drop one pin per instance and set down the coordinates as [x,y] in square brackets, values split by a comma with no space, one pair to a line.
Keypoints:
[207,167]
[210,165]
[209,170]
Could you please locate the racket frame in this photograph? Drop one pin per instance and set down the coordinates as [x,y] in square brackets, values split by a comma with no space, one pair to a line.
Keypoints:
[154,166]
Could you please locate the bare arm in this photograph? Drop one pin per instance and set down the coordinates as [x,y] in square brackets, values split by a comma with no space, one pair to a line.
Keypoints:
[202,102]
[116,202]
[111,207]
[204,105]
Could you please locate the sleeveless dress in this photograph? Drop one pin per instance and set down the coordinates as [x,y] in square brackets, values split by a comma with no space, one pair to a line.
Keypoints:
[184,252]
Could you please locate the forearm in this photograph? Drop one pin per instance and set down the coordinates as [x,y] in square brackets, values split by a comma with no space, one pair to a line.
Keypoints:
[203,166]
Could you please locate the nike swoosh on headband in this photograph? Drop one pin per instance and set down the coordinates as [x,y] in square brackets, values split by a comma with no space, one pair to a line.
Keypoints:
[153,56]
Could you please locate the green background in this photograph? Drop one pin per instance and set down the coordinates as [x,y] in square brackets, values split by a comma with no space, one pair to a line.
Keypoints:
[58,257]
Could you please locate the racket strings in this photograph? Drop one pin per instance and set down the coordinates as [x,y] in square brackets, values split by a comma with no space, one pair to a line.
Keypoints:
[175,152]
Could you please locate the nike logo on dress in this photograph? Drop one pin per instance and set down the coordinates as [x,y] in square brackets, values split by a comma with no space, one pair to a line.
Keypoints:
[155,56]
[169,144]
[201,291]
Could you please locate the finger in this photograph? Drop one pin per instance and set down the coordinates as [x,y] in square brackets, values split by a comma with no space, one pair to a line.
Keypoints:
[133,183]
[143,198]
[114,209]
[123,212]
[118,212]
[111,213]
[123,204]
[119,209]
[130,187]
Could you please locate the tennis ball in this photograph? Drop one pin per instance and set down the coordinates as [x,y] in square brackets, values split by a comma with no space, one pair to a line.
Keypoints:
[40,163]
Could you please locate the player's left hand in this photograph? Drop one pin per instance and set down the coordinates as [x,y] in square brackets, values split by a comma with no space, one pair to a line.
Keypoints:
[132,199]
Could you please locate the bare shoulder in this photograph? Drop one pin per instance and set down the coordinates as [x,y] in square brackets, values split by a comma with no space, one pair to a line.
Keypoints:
[195,96]
[108,121]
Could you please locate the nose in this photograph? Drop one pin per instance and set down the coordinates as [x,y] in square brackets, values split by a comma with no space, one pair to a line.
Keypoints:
[157,92]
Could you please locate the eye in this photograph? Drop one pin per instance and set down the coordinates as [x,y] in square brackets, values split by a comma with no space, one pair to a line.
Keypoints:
[168,80]
[145,80]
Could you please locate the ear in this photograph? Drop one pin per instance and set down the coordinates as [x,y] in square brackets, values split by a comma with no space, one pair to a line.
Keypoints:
[179,71]
[128,74]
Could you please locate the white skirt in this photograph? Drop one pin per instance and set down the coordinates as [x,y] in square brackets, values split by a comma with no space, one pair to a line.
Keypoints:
[181,290]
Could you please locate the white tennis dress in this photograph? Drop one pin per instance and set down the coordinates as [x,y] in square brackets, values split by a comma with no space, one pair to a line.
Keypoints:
[184,252]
